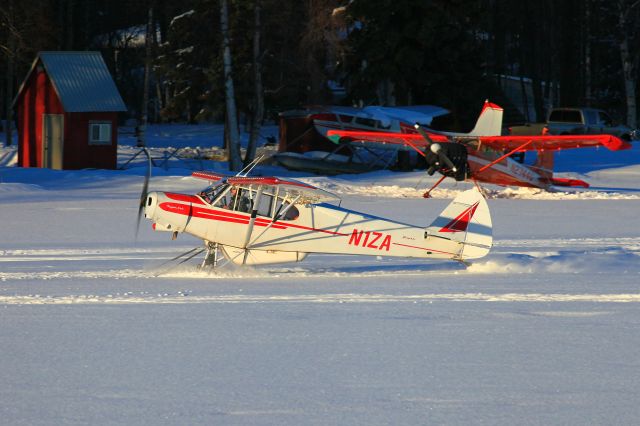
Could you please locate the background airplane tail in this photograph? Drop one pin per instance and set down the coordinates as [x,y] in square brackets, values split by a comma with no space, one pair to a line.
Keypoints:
[489,122]
[466,221]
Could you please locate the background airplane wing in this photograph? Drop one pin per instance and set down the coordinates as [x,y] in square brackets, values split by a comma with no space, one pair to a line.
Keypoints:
[552,142]
[382,138]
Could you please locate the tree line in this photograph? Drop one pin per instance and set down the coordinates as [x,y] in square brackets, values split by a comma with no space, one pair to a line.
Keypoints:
[259,57]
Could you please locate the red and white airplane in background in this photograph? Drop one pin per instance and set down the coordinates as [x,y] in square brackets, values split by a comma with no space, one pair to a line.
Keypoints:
[398,119]
[482,154]
[265,220]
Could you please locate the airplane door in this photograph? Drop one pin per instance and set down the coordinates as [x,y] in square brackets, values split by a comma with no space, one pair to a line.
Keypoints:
[52,136]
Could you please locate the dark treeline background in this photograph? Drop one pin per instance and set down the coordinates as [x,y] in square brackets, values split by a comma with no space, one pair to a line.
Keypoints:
[286,54]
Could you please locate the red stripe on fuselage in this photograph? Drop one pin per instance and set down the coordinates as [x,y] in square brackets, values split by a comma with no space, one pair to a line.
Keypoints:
[229,216]
[219,215]
[184,198]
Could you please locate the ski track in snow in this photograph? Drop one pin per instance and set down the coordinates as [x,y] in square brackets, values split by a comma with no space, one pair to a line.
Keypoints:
[562,256]
[186,298]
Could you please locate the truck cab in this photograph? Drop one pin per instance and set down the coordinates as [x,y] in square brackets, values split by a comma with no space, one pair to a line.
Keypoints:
[575,121]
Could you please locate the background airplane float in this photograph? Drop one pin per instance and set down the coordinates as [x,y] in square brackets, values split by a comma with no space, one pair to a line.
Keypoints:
[482,154]
[287,220]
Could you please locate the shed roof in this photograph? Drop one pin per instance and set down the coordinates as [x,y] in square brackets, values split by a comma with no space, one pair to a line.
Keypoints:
[81,80]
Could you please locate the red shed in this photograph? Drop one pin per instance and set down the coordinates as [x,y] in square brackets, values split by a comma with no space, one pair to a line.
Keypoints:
[67,110]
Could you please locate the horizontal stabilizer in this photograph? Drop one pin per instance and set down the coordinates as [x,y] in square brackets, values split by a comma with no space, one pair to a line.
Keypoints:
[569,182]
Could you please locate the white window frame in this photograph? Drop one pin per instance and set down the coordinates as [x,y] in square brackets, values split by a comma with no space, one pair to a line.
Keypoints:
[104,132]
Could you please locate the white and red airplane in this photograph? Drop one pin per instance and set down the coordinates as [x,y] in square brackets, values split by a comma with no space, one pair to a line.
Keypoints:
[265,220]
[483,155]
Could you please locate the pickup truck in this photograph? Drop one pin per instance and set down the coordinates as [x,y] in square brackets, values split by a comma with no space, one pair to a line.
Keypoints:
[576,121]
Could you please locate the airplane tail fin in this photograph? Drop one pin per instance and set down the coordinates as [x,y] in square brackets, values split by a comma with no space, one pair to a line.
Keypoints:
[466,221]
[489,122]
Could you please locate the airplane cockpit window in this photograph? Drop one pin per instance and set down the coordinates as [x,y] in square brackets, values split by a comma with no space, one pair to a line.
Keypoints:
[291,213]
[271,203]
[264,206]
[211,193]
[236,199]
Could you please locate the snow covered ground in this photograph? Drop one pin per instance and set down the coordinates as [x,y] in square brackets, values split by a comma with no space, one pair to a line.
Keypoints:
[542,331]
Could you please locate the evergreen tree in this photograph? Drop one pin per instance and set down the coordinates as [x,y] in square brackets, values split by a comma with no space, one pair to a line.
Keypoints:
[427,52]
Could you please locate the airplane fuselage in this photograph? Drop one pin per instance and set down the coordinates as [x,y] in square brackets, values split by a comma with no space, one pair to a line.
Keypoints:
[506,172]
[319,228]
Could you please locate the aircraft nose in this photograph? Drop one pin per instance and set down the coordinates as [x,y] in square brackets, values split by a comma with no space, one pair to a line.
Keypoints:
[150,205]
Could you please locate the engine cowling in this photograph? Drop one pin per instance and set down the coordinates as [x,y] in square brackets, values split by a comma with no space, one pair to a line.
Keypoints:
[455,152]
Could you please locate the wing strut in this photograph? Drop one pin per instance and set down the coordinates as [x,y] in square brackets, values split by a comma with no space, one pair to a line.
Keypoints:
[252,221]
[428,193]
[275,219]
[530,141]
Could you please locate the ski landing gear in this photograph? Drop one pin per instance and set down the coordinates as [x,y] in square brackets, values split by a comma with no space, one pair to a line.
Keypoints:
[211,258]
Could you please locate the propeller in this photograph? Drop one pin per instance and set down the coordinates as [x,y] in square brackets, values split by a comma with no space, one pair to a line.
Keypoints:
[436,148]
[145,190]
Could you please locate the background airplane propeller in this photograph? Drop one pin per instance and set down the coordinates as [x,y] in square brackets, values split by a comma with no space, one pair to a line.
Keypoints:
[439,158]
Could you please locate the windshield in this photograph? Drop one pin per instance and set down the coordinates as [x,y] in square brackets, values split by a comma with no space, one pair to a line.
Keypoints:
[211,193]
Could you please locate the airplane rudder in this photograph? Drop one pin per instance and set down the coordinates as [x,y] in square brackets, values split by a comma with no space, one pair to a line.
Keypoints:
[489,121]
[466,220]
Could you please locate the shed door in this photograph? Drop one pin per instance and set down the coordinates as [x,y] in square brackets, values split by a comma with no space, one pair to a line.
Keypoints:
[52,132]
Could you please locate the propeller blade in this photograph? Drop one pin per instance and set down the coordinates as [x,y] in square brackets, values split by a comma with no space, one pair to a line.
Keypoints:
[423,133]
[436,148]
[145,190]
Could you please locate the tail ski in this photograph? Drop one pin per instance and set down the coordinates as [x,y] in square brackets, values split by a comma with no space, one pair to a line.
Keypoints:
[489,122]
[467,221]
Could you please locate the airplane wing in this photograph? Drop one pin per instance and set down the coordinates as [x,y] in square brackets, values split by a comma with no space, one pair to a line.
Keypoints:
[210,176]
[552,142]
[500,143]
[309,194]
[384,139]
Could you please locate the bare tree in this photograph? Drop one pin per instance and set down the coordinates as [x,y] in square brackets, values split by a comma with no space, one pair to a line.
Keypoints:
[68,44]
[628,21]
[231,124]
[144,108]
[258,107]
[9,49]
[25,28]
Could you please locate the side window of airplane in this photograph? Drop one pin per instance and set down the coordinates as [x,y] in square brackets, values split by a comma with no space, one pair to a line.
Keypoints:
[291,214]
[240,200]
[264,206]
[229,197]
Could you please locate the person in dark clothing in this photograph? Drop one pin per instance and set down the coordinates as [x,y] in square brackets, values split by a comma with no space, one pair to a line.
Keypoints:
[238,201]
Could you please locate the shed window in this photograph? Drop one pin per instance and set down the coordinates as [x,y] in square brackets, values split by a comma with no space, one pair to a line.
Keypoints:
[100,133]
